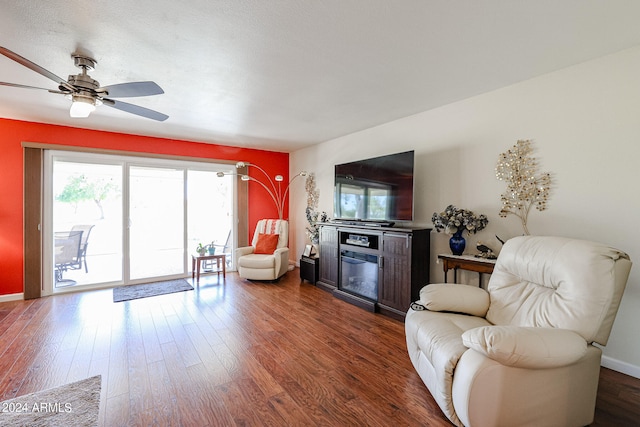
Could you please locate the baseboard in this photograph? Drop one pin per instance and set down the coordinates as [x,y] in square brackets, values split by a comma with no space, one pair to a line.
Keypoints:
[620,366]
[11,297]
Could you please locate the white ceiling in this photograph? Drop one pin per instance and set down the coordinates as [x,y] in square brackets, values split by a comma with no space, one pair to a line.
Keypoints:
[283,74]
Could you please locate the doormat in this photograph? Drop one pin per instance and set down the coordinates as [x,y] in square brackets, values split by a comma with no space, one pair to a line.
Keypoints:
[126,293]
[75,404]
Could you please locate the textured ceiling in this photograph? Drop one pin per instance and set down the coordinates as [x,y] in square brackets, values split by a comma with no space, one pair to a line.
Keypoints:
[283,74]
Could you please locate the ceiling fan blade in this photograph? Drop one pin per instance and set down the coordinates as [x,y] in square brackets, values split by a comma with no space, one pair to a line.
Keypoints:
[135,109]
[124,90]
[28,87]
[35,67]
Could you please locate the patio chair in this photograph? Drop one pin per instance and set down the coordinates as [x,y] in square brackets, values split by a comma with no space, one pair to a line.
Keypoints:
[82,257]
[67,252]
[225,249]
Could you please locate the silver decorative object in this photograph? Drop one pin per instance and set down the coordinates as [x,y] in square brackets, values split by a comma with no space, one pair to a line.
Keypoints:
[526,188]
[313,217]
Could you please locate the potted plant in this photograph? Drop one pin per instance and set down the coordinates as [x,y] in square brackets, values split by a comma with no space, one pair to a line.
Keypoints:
[201,249]
[455,221]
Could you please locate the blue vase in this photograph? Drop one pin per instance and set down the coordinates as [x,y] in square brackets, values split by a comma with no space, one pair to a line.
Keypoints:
[457,243]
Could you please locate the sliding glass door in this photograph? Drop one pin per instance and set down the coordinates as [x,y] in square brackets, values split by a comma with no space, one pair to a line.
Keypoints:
[87,214]
[210,211]
[113,220]
[156,222]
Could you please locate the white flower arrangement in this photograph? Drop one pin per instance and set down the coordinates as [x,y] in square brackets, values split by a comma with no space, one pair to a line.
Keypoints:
[453,220]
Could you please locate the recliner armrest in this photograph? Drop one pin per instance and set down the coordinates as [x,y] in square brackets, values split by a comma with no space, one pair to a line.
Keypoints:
[526,347]
[245,250]
[455,298]
[280,250]
[282,260]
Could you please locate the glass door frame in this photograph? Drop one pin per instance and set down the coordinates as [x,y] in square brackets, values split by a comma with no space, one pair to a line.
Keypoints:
[210,165]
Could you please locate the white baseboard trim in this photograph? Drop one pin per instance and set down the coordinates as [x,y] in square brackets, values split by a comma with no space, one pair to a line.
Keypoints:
[11,297]
[620,366]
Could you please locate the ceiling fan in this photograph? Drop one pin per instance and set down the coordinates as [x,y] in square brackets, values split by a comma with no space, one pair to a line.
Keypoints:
[86,93]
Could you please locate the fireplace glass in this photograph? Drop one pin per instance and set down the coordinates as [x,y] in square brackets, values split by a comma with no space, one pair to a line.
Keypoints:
[359,274]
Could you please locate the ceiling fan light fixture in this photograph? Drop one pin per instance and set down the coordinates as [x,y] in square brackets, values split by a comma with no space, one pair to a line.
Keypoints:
[86,93]
[82,106]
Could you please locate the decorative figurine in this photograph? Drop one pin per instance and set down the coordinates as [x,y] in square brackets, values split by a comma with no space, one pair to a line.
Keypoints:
[485,251]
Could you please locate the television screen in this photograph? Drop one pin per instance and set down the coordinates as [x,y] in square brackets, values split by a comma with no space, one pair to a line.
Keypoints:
[377,189]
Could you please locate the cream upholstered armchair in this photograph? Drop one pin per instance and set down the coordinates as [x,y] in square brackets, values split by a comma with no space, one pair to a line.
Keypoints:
[521,353]
[268,256]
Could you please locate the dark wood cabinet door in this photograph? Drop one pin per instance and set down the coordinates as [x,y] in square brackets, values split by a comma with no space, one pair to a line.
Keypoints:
[328,256]
[394,289]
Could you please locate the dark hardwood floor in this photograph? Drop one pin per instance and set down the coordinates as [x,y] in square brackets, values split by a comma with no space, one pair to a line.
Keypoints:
[235,353]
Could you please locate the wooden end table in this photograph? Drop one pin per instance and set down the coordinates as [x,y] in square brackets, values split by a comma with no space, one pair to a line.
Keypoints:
[196,261]
[466,262]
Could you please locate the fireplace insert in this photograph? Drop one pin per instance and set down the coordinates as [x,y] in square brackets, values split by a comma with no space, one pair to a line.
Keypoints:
[359,274]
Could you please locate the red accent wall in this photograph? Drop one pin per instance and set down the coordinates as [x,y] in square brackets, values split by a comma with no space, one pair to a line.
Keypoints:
[13,133]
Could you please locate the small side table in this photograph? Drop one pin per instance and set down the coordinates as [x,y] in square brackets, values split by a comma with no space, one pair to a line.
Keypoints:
[466,262]
[196,261]
[309,268]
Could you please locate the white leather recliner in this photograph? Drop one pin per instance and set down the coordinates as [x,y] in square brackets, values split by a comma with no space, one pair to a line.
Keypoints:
[521,353]
[265,266]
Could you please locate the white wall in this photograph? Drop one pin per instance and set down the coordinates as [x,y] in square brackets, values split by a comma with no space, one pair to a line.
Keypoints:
[585,123]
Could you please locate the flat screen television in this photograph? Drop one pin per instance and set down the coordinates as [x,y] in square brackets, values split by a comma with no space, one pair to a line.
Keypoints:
[376,189]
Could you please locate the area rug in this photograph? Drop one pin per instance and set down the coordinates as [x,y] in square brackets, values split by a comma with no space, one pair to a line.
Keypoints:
[75,404]
[126,293]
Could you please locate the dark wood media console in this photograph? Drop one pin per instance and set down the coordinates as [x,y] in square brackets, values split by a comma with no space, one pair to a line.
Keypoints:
[380,269]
